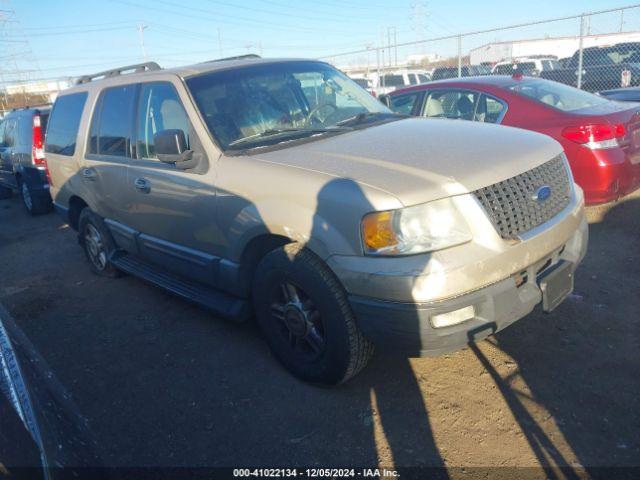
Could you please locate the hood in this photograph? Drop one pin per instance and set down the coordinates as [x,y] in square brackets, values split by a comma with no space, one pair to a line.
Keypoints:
[418,160]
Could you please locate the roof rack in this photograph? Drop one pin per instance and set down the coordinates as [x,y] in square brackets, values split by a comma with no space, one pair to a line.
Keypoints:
[137,68]
[248,56]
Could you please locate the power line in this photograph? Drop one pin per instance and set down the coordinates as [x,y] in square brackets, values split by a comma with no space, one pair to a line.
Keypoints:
[332,15]
[490,30]
[82,25]
[218,17]
[55,34]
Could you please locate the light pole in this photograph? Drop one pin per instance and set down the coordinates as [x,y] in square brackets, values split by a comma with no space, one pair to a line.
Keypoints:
[141,29]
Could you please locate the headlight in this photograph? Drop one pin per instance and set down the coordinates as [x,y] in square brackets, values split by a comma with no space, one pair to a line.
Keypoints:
[418,229]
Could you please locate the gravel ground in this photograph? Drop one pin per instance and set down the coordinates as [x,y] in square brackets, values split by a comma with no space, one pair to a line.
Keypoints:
[162,383]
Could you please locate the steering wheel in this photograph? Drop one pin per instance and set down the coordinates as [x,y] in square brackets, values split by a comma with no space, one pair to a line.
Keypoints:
[315,110]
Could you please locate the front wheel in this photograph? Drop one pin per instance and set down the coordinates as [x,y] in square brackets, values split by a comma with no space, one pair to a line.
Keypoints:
[305,316]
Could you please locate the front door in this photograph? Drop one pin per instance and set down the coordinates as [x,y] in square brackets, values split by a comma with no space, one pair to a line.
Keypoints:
[173,210]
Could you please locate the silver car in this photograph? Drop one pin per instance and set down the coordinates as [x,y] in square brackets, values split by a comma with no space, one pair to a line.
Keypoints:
[280,188]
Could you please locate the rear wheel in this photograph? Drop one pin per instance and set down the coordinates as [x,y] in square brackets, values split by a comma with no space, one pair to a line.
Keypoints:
[97,244]
[36,203]
[303,311]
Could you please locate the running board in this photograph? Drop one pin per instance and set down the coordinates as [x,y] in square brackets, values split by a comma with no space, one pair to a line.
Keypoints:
[220,303]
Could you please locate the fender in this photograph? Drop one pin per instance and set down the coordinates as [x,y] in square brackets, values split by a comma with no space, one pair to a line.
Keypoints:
[297,222]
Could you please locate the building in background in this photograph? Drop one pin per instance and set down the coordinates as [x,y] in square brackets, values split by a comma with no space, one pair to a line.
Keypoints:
[560,46]
[18,95]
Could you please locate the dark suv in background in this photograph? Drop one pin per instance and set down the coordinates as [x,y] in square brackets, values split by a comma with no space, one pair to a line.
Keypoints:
[22,162]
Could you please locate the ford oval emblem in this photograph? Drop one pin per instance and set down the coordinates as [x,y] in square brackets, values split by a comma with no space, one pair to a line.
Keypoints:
[542,194]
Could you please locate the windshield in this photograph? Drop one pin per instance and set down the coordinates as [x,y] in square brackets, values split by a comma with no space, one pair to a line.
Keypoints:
[247,105]
[557,95]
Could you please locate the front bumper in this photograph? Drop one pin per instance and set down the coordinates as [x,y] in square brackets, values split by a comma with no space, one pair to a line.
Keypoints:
[406,326]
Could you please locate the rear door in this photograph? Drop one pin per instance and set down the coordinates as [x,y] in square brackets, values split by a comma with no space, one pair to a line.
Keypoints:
[61,145]
[104,169]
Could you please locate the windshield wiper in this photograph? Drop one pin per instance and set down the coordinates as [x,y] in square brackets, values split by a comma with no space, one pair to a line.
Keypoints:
[280,131]
[365,116]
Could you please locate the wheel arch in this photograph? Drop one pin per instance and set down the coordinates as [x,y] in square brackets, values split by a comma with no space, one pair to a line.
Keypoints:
[253,252]
[76,204]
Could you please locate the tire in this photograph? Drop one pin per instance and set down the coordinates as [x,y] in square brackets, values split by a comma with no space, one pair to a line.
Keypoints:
[5,193]
[35,202]
[304,314]
[97,244]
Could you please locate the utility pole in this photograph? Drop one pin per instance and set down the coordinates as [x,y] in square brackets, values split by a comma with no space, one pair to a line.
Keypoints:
[621,20]
[395,43]
[389,44]
[580,52]
[141,29]
[459,56]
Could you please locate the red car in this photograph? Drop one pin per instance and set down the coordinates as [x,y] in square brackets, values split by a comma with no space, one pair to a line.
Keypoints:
[601,138]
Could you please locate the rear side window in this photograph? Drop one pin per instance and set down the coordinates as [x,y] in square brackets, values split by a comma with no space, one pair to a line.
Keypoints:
[112,121]
[454,104]
[62,130]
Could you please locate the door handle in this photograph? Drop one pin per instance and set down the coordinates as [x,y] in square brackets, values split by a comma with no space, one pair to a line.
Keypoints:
[88,174]
[142,185]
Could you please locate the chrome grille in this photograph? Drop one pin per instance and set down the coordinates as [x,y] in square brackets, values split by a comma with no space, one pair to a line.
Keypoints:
[511,204]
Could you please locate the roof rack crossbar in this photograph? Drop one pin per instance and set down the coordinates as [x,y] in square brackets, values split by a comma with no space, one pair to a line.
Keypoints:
[136,68]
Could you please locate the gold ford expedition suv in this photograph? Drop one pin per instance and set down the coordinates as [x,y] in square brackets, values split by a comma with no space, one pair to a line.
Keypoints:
[281,189]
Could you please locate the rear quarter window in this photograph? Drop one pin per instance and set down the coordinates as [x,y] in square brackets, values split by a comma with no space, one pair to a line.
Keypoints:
[63,124]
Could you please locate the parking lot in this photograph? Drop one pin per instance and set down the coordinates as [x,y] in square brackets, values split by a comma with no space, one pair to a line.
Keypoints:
[162,383]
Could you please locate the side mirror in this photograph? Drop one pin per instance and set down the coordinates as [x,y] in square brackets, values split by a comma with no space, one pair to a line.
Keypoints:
[385,99]
[171,147]
[170,143]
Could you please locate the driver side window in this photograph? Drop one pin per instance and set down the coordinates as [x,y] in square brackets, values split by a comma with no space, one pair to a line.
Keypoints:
[159,108]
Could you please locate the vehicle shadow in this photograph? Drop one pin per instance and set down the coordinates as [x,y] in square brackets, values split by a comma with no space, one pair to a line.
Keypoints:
[164,384]
[576,361]
[397,419]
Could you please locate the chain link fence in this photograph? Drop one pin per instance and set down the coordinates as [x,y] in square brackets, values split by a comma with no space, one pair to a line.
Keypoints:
[594,51]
